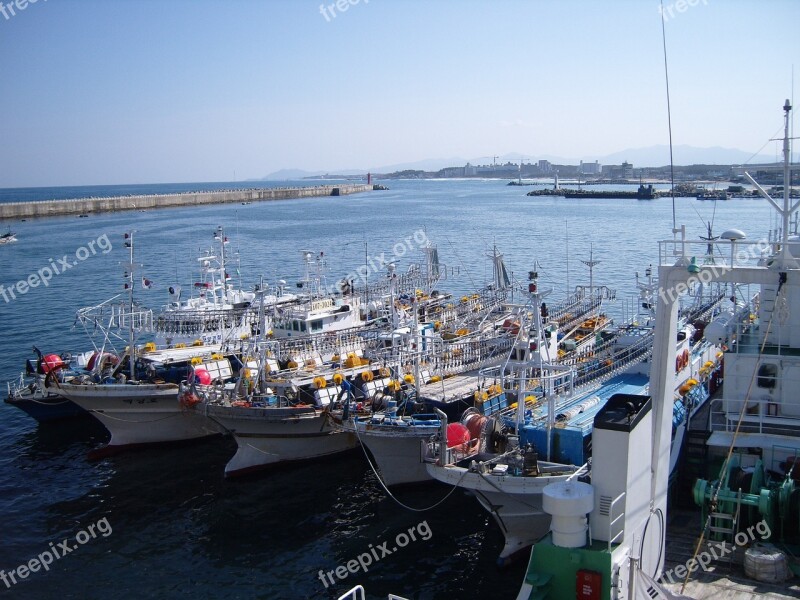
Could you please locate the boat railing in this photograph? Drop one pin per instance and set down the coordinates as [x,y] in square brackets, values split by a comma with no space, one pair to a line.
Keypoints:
[762,416]
[726,253]
[111,315]
[461,356]
[201,321]
[357,593]
[14,387]
[612,521]
[598,370]
[329,343]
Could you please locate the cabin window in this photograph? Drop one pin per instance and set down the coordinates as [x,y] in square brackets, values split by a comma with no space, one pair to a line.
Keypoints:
[295,326]
[316,325]
[303,326]
[767,376]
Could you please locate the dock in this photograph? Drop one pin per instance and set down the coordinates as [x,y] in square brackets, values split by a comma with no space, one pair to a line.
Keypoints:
[87,206]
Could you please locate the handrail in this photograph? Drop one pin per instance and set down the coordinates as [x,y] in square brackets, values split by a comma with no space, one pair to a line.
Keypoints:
[612,523]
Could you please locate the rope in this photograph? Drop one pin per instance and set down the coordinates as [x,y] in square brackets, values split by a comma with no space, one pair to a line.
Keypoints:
[726,462]
[389,493]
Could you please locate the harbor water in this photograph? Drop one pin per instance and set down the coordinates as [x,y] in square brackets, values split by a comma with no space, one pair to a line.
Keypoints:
[163,522]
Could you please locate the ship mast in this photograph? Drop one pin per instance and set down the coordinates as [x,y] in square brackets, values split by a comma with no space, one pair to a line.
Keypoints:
[129,285]
[785,211]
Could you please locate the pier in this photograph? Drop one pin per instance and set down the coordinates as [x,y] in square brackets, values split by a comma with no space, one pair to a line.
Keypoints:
[85,206]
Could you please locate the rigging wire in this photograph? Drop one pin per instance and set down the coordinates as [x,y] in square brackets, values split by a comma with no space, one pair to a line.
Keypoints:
[389,493]
[669,116]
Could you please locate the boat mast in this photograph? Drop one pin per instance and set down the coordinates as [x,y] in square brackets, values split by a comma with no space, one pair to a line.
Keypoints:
[220,235]
[591,264]
[787,209]
[129,285]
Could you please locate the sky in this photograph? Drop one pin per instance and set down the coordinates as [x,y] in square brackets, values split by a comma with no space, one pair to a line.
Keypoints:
[150,91]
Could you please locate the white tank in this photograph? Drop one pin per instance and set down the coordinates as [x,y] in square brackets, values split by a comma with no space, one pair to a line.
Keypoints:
[568,502]
[718,331]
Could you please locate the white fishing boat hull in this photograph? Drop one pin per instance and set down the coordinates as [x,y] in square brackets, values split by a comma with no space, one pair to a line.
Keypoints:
[514,502]
[397,452]
[140,414]
[268,436]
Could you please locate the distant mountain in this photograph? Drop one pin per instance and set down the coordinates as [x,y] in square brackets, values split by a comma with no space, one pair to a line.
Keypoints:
[658,156]
[431,164]
[428,164]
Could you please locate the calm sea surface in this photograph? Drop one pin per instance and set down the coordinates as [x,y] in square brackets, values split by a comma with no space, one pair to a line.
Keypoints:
[177,528]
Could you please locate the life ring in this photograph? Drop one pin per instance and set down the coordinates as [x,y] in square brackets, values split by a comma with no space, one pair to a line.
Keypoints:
[101,359]
[367,376]
[384,371]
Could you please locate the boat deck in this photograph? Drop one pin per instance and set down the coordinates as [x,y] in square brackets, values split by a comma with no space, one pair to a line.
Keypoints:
[451,388]
[724,578]
[750,343]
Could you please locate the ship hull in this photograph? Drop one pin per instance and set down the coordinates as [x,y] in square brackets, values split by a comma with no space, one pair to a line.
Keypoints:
[398,453]
[269,436]
[146,414]
[515,503]
[46,408]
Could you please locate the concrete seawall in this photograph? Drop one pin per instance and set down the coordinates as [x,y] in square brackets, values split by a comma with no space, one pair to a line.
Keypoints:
[50,208]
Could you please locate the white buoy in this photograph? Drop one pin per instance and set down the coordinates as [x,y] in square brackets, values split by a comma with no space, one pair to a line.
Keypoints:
[568,502]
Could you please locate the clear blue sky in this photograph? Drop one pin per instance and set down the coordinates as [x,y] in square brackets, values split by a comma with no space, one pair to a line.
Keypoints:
[124,91]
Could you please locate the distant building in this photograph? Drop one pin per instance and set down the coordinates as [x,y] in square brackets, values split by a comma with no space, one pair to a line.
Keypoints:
[545,166]
[627,170]
[469,170]
[594,168]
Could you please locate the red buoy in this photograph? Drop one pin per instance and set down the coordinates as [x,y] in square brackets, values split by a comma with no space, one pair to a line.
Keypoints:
[202,376]
[51,362]
[457,435]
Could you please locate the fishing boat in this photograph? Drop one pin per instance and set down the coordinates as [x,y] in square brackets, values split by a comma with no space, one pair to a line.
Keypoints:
[8,238]
[394,438]
[537,408]
[217,312]
[135,397]
[279,411]
[31,394]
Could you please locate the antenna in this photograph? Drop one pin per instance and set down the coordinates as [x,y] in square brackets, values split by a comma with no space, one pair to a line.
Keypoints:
[591,263]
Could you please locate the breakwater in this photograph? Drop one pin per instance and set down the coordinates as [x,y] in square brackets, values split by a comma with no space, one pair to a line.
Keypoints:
[85,206]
